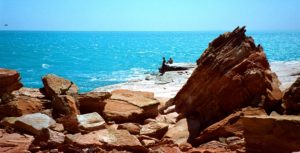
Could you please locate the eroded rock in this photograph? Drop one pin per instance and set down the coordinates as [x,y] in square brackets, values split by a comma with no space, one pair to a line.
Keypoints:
[14,142]
[9,81]
[64,105]
[90,122]
[154,129]
[92,101]
[291,98]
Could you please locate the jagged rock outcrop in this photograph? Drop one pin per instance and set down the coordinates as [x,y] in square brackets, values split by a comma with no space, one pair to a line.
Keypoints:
[9,81]
[232,73]
[55,85]
[92,101]
[64,105]
[276,134]
[291,98]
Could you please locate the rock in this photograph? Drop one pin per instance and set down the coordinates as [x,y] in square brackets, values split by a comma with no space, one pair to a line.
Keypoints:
[58,127]
[49,138]
[8,121]
[229,126]
[55,85]
[165,146]
[132,128]
[9,81]
[154,129]
[170,118]
[107,139]
[291,98]
[211,147]
[92,101]
[14,142]
[34,123]
[232,73]
[65,105]
[272,133]
[130,106]
[69,123]
[21,106]
[148,143]
[90,122]
[183,131]
[29,92]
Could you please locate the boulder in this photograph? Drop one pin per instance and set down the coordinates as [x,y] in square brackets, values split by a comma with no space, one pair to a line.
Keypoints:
[9,81]
[49,138]
[232,73]
[29,92]
[132,128]
[130,106]
[154,129]
[34,123]
[55,85]
[276,134]
[291,98]
[229,126]
[14,142]
[108,139]
[90,122]
[21,106]
[64,105]
[92,101]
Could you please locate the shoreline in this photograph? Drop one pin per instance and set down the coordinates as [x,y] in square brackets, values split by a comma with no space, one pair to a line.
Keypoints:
[171,82]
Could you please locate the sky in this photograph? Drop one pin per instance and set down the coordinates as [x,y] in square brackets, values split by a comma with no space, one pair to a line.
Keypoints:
[149,15]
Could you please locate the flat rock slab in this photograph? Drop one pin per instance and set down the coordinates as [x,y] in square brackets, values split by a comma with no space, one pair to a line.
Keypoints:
[154,129]
[92,101]
[14,142]
[90,122]
[108,139]
[34,123]
[281,132]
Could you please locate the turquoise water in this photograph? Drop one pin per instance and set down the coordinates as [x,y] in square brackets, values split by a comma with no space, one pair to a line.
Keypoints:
[94,59]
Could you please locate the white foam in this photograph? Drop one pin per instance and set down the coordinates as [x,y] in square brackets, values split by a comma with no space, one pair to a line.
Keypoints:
[45,66]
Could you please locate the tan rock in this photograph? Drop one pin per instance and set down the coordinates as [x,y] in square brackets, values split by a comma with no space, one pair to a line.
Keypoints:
[14,142]
[55,85]
[9,81]
[29,92]
[21,106]
[90,122]
[34,123]
[92,101]
[132,128]
[212,147]
[108,139]
[154,129]
[232,73]
[274,134]
[65,105]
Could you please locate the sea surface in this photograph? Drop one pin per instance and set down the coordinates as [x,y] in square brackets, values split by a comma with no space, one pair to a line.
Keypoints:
[95,59]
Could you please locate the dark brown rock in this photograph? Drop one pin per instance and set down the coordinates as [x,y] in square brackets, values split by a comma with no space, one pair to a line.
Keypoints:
[65,105]
[9,81]
[14,142]
[291,98]
[232,73]
[55,85]
[92,101]
[276,134]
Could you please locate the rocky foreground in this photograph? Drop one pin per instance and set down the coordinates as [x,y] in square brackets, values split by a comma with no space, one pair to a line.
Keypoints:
[232,102]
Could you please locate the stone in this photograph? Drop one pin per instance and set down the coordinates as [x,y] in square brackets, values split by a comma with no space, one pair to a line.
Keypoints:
[20,106]
[211,147]
[154,129]
[229,126]
[34,123]
[90,122]
[132,128]
[64,105]
[232,73]
[49,138]
[8,121]
[29,92]
[130,106]
[69,123]
[55,85]
[183,131]
[92,101]
[9,81]
[280,132]
[108,139]
[291,98]
[14,142]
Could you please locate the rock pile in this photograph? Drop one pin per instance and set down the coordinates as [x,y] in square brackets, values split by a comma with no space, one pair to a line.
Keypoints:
[231,103]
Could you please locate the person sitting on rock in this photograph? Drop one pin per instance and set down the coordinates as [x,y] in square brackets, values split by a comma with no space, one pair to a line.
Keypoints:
[162,69]
[170,61]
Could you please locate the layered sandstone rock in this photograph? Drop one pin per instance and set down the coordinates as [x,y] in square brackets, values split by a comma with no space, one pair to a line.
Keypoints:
[232,73]
[90,122]
[291,98]
[92,101]
[14,142]
[277,134]
[64,105]
[154,129]
[9,81]
[130,106]
[55,85]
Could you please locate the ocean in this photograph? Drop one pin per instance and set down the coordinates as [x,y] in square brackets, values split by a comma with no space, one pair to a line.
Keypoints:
[95,59]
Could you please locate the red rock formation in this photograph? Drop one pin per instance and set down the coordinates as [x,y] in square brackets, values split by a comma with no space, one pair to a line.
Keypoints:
[14,142]
[9,81]
[92,101]
[291,98]
[232,73]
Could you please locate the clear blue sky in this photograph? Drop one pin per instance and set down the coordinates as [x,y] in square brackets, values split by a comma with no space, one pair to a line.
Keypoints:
[149,15]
